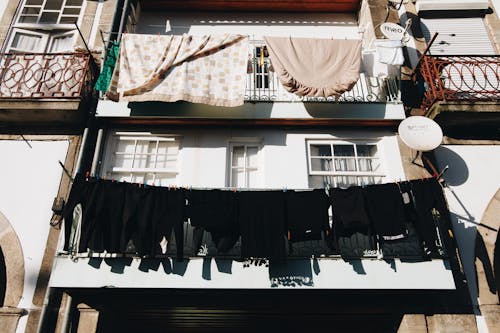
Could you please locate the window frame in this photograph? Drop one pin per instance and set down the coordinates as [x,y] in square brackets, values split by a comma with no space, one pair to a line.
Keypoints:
[57,25]
[379,156]
[49,31]
[254,143]
[110,151]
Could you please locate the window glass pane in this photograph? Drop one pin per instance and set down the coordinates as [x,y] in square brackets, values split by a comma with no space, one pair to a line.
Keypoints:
[369,164]
[71,11]
[68,19]
[49,17]
[74,2]
[252,156]
[62,43]
[345,164]
[31,10]
[123,161]
[25,42]
[53,4]
[346,181]
[321,164]
[238,156]
[126,146]
[367,150]
[34,2]
[28,19]
[321,150]
[238,178]
[365,164]
[320,181]
[343,150]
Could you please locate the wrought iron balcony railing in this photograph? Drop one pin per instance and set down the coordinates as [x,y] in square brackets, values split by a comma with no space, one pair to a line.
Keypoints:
[263,85]
[45,75]
[460,78]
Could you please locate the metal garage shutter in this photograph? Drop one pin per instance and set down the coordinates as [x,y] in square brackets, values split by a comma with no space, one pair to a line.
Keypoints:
[458,36]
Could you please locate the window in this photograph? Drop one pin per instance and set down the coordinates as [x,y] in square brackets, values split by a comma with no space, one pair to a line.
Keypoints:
[343,163]
[142,158]
[244,168]
[262,67]
[45,26]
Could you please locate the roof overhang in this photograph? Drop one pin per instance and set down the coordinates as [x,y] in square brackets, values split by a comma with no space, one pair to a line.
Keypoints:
[255,5]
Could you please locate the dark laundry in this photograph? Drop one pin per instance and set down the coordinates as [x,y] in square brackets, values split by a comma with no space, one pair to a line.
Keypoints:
[119,217]
[428,195]
[81,193]
[261,215]
[349,211]
[109,210]
[214,211]
[385,208]
[307,214]
[170,216]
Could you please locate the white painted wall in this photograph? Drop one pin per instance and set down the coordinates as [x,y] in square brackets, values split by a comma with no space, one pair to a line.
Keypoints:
[473,179]
[203,158]
[29,179]
[3,5]
[193,274]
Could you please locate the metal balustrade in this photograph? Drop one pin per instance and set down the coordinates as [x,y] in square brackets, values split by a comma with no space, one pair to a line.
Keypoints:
[263,85]
[45,75]
[460,78]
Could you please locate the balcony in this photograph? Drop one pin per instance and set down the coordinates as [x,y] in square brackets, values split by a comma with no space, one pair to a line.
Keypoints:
[263,85]
[43,86]
[462,93]
[351,261]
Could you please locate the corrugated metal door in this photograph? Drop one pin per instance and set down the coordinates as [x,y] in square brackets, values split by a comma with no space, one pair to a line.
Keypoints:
[458,36]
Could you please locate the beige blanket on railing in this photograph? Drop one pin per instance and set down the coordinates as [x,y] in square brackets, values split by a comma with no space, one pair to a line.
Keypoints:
[315,67]
[200,69]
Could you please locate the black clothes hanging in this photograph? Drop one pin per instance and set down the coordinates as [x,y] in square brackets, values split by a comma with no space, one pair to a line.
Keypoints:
[78,195]
[137,210]
[428,195]
[385,208]
[214,211]
[172,220]
[261,216]
[109,217]
[349,211]
[307,214]
[88,237]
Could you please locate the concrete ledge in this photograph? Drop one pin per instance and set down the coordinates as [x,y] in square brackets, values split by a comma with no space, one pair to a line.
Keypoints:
[9,317]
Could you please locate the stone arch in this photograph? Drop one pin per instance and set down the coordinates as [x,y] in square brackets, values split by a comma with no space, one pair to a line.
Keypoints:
[14,263]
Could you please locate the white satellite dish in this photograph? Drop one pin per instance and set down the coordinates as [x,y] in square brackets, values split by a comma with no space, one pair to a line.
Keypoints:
[420,133]
[392,30]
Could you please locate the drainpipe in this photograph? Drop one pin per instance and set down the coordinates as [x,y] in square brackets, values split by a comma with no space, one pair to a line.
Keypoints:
[97,152]
[80,152]
[122,20]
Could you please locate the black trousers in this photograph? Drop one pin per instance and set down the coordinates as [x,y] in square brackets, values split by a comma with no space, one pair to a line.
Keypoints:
[261,216]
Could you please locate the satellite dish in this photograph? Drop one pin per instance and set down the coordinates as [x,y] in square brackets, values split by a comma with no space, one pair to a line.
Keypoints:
[392,30]
[420,133]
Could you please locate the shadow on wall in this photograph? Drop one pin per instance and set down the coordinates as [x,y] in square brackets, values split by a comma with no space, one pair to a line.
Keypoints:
[458,172]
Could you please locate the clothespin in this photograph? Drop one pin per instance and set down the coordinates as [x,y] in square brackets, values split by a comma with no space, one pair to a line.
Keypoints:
[284,189]
[190,188]
[87,174]
[234,190]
